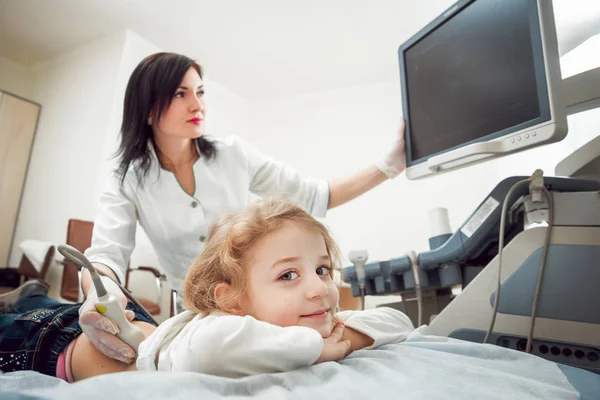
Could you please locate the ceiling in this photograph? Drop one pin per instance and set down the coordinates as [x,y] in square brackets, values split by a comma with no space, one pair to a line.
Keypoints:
[260,49]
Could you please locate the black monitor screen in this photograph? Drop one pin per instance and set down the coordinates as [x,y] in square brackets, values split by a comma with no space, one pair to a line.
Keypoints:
[479,73]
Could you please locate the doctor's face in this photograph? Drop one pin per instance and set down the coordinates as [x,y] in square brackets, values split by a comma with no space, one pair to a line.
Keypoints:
[290,280]
[184,118]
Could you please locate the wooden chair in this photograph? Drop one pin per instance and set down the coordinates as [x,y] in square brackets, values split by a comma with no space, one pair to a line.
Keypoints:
[153,307]
[347,302]
[26,270]
[79,235]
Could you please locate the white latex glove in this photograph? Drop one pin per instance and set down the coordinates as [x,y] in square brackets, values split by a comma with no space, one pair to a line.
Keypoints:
[394,163]
[100,330]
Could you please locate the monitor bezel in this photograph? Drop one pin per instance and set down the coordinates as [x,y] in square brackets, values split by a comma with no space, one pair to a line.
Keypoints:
[552,116]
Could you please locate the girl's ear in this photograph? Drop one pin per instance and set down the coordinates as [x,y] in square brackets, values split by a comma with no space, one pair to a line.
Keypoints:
[226,300]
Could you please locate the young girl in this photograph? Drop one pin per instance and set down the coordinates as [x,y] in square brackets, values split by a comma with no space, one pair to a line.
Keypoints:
[261,299]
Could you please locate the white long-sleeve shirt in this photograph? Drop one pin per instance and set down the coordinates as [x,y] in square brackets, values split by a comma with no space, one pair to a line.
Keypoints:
[234,346]
[176,223]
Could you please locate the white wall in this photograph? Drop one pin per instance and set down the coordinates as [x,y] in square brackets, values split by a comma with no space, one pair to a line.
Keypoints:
[331,134]
[585,126]
[75,91]
[15,78]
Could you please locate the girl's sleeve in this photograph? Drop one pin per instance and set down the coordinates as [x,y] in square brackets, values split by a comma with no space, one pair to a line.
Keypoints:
[384,325]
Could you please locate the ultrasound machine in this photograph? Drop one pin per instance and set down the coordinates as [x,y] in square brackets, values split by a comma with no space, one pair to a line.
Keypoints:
[482,81]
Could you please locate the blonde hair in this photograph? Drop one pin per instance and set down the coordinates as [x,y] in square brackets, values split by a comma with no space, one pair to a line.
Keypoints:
[229,247]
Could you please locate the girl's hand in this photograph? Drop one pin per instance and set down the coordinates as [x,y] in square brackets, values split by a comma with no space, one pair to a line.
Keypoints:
[358,340]
[334,349]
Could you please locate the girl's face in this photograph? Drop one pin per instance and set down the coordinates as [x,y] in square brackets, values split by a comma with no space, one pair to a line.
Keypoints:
[290,280]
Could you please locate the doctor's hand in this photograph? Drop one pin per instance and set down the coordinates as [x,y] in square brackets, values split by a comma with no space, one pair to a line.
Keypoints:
[100,330]
[334,349]
[394,163]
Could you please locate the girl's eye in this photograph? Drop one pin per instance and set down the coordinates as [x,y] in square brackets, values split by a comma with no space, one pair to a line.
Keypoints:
[201,93]
[323,271]
[179,94]
[289,276]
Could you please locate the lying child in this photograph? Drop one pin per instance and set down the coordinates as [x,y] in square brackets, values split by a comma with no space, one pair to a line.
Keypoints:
[261,299]
[42,334]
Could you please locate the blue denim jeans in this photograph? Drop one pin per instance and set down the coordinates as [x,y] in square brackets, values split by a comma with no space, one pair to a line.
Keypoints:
[33,337]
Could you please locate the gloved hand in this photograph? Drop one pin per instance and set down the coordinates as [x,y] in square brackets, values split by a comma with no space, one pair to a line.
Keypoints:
[102,331]
[395,161]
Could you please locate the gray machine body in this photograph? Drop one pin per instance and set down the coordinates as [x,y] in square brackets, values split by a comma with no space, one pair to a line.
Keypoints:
[567,328]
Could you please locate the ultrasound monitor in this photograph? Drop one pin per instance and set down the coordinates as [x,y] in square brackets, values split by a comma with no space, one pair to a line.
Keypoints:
[480,81]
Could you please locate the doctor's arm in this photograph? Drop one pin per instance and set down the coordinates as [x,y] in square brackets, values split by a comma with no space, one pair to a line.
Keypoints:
[86,277]
[271,178]
[113,240]
[350,187]
[342,190]
[113,237]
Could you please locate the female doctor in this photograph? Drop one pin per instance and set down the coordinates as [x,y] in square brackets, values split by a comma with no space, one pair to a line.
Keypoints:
[175,181]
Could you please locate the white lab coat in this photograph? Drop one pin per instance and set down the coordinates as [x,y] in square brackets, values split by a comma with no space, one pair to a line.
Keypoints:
[176,223]
[234,346]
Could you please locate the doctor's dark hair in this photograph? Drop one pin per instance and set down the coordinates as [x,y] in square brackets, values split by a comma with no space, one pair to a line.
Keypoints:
[229,250]
[149,93]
